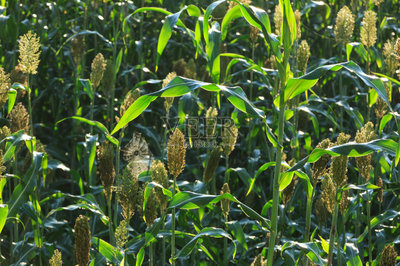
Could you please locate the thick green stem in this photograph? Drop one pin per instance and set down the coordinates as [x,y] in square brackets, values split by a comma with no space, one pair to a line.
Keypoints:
[275,199]
[91,110]
[226,180]
[369,228]
[151,254]
[332,234]
[308,217]
[173,227]
[226,243]
[117,159]
[110,223]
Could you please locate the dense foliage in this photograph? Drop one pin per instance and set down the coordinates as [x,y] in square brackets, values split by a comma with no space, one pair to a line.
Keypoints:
[199,132]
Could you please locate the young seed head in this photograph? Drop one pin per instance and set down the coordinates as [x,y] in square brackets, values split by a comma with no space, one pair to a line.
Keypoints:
[29,52]
[105,157]
[176,151]
[339,163]
[2,167]
[212,164]
[319,167]
[397,48]
[211,122]
[379,183]
[130,98]
[320,210]
[168,101]
[78,48]
[391,61]
[328,194]
[364,162]
[297,15]
[98,67]
[160,175]
[19,118]
[381,106]
[225,203]
[4,133]
[82,240]
[56,259]
[179,67]
[378,2]
[121,234]
[17,76]
[303,54]
[344,202]
[254,34]
[344,26]
[388,256]
[278,19]
[5,84]
[127,190]
[108,81]
[150,212]
[368,29]
[229,137]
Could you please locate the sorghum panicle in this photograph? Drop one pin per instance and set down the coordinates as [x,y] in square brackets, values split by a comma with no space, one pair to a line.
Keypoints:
[168,101]
[127,190]
[212,164]
[229,137]
[29,52]
[278,19]
[368,29]
[320,210]
[2,167]
[160,175]
[391,61]
[4,133]
[19,118]
[379,183]
[363,163]
[339,163]
[225,203]
[5,84]
[297,16]
[56,259]
[259,261]
[98,67]
[388,256]
[176,151]
[105,157]
[211,121]
[381,106]
[108,82]
[82,240]
[344,26]
[130,98]
[303,54]
[328,194]
[121,234]
[319,167]
[150,213]
[78,48]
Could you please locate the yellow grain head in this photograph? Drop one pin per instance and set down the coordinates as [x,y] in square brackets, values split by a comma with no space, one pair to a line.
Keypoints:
[56,259]
[229,136]
[319,167]
[5,84]
[82,240]
[339,163]
[121,234]
[368,29]
[98,67]
[388,256]
[297,15]
[363,163]
[105,157]
[379,183]
[29,52]
[211,121]
[328,194]
[127,190]
[212,164]
[19,118]
[176,151]
[303,54]
[344,26]
[160,175]
[225,203]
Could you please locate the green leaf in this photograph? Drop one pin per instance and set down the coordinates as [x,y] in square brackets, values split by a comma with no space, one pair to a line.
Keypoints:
[237,232]
[108,251]
[85,32]
[285,180]
[12,95]
[207,15]
[209,232]
[13,142]
[118,62]
[351,149]
[96,124]
[166,32]
[180,86]
[87,87]
[296,86]
[231,15]
[387,215]
[325,245]
[3,215]
[259,171]
[21,191]
[140,256]
[191,200]
[213,55]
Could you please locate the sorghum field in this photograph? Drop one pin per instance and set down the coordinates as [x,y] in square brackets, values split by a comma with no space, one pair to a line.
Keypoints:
[199,132]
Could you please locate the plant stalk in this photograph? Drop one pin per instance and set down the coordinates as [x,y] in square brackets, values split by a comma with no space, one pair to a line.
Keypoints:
[333,233]
[173,227]
[275,199]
